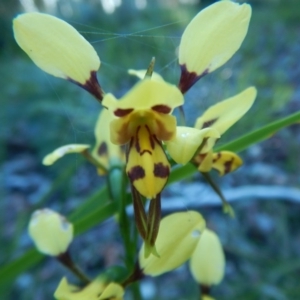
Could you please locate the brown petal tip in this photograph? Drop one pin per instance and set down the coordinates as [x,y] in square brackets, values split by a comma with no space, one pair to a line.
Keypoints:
[188,79]
[92,86]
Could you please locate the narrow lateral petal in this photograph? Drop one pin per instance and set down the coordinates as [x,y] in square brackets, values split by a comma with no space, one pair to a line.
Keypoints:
[105,150]
[58,49]
[52,157]
[226,162]
[187,141]
[207,263]
[211,39]
[204,161]
[177,238]
[224,114]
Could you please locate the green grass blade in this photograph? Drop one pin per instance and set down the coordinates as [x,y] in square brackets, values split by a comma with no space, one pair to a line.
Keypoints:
[260,134]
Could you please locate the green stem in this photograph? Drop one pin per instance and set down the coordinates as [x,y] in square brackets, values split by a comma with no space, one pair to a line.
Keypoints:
[226,206]
[85,153]
[67,261]
[182,116]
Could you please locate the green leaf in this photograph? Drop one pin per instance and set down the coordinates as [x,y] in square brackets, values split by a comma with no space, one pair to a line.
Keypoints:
[260,134]
[19,265]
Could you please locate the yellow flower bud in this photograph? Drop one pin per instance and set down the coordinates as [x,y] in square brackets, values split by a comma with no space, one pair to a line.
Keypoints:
[51,232]
[207,263]
[177,237]
[206,297]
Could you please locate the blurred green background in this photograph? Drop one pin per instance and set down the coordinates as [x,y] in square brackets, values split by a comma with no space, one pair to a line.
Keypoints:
[39,113]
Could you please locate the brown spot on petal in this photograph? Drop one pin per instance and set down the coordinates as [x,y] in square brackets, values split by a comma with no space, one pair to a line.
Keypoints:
[219,155]
[227,166]
[161,171]
[102,149]
[122,112]
[136,173]
[209,123]
[163,109]
[92,86]
[188,79]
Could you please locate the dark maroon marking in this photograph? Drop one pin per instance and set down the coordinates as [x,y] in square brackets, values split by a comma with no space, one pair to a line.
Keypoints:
[128,147]
[218,157]
[161,171]
[188,79]
[164,109]
[102,149]
[209,123]
[122,112]
[145,151]
[205,289]
[136,173]
[152,143]
[228,165]
[137,142]
[92,86]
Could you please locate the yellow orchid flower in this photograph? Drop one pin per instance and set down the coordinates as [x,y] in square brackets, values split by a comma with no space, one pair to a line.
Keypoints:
[211,39]
[51,232]
[208,129]
[144,121]
[96,290]
[221,117]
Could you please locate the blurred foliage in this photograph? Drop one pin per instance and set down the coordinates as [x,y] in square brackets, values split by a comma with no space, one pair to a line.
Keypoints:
[40,113]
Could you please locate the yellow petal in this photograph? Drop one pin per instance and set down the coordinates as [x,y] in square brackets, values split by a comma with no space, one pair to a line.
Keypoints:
[224,114]
[113,291]
[58,49]
[141,74]
[65,291]
[204,161]
[226,162]
[52,157]
[206,297]
[147,167]
[105,151]
[146,94]
[207,263]
[177,237]
[163,126]
[51,232]
[187,141]
[213,36]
